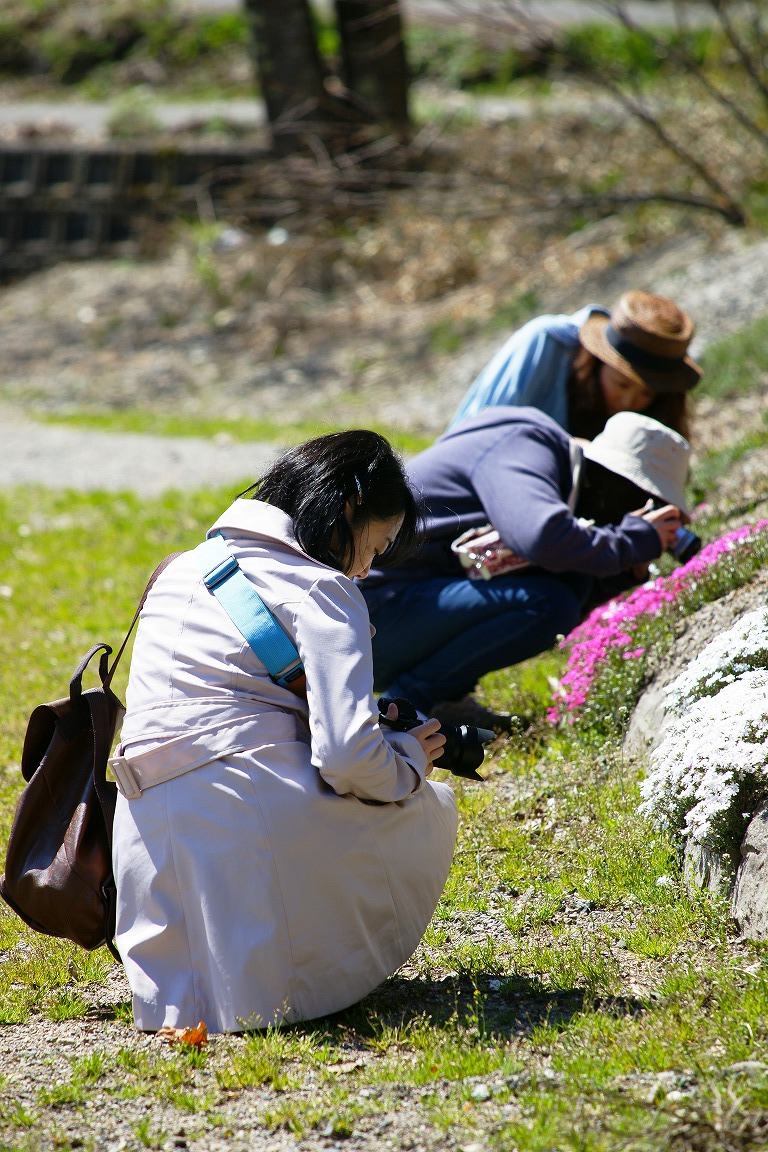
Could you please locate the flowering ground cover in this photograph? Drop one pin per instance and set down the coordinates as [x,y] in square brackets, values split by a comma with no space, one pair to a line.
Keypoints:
[607,652]
[710,771]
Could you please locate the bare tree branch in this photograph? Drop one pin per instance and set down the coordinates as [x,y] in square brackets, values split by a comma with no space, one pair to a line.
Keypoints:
[702,171]
[730,213]
[678,57]
[746,57]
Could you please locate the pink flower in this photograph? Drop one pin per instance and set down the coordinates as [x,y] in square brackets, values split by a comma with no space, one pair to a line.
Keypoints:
[610,627]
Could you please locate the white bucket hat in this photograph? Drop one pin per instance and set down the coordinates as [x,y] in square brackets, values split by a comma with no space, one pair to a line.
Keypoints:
[646,452]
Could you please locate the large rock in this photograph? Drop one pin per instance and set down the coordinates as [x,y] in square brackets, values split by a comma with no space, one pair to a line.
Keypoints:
[645,726]
[704,868]
[646,723]
[749,902]
[740,873]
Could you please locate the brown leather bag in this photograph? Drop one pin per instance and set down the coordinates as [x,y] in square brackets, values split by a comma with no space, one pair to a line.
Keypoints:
[58,867]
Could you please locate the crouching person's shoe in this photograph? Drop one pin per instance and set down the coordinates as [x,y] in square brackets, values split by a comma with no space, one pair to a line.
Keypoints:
[468,710]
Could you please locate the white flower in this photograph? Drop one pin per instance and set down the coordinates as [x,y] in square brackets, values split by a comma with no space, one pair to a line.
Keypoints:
[711,755]
[728,656]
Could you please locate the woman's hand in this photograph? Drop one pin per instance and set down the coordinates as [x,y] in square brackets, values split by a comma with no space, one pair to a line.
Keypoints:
[428,735]
[431,739]
[666,520]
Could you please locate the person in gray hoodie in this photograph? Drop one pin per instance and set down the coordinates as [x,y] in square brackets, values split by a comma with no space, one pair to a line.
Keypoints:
[562,517]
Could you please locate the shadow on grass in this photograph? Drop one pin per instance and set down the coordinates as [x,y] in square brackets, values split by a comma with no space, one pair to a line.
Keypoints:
[504,1006]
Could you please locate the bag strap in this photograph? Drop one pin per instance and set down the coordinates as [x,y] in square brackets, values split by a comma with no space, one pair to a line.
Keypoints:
[577,467]
[103,731]
[102,728]
[106,679]
[223,576]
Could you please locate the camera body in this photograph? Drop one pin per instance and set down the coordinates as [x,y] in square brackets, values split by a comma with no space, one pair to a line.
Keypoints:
[463,752]
[686,544]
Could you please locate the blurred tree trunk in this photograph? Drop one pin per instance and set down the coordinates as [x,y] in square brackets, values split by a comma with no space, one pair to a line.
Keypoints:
[307,105]
[373,58]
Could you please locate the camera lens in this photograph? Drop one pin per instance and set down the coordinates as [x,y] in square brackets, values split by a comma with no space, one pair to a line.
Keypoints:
[686,545]
[463,749]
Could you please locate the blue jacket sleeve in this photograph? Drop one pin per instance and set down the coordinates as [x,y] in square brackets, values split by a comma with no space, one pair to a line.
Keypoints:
[530,370]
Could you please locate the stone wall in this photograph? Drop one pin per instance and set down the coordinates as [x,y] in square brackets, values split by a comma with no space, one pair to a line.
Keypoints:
[68,202]
[740,874]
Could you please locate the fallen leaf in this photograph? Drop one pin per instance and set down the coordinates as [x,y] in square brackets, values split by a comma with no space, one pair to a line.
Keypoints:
[194,1037]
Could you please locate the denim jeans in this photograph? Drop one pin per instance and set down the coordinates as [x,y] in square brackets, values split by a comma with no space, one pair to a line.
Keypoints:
[437,637]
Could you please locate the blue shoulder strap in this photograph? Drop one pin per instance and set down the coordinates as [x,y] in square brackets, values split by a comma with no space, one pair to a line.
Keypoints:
[223,576]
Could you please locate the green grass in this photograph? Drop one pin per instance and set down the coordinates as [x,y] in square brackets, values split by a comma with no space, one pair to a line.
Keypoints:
[597,987]
[738,364]
[241,431]
[612,49]
[717,463]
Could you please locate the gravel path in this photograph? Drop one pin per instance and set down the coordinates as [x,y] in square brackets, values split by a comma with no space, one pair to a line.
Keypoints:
[34,453]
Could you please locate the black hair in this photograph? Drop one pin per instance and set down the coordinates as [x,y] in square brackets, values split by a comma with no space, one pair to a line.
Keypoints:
[605,496]
[315,483]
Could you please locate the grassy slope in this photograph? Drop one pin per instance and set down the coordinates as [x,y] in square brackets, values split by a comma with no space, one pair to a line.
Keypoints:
[569,993]
[563,997]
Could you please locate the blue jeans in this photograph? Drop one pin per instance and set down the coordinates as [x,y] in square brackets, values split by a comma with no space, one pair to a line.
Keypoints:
[437,637]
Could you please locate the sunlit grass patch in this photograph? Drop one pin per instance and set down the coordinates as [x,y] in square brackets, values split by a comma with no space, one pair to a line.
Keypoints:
[265,1058]
[574,961]
[565,970]
[179,1078]
[66,1005]
[39,973]
[282,435]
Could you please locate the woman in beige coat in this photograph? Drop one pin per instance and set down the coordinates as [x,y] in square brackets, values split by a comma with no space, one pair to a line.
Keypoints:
[276,856]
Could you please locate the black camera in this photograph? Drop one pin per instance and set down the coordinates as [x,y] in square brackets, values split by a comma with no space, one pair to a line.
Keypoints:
[686,544]
[463,751]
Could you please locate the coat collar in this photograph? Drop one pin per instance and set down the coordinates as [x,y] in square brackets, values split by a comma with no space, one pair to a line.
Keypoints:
[255,518]
[261,521]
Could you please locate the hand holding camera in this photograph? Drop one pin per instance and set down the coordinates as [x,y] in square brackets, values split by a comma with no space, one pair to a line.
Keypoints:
[428,733]
[462,744]
[675,538]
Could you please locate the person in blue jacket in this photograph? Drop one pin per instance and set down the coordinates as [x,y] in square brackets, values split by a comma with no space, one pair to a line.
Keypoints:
[584,368]
[570,515]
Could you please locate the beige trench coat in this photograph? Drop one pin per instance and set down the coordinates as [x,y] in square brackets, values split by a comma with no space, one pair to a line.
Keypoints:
[259,884]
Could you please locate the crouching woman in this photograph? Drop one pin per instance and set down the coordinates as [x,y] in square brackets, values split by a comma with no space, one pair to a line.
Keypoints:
[280,854]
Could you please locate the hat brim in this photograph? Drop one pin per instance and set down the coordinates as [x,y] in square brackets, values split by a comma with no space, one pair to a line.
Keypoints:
[623,465]
[680,379]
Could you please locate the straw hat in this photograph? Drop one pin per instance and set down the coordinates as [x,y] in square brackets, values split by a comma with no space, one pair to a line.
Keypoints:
[646,338]
[645,452]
